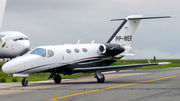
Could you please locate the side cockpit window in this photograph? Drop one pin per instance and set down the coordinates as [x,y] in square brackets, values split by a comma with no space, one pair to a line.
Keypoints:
[39,51]
[50,53]
[26,39]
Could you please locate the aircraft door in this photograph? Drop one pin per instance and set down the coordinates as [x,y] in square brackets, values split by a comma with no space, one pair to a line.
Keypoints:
[61,58]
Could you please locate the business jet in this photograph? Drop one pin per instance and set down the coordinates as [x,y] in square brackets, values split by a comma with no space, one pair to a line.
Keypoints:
[12,43]
[80,58]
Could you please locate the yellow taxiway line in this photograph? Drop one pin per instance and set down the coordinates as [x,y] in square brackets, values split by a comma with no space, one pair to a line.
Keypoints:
[55,99]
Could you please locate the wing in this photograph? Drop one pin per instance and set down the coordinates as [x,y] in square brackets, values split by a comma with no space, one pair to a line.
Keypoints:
[120,67]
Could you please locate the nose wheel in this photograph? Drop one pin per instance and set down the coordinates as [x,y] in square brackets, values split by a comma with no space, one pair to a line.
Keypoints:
[24,82]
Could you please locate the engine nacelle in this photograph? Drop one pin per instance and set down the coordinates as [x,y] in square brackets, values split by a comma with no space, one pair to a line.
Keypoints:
[110,49]
[2,42]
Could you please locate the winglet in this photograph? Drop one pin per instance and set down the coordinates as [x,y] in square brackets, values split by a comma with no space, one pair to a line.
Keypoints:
[2,8]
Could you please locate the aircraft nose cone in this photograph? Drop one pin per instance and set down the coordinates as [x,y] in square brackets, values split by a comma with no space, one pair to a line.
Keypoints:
[25,45]
[11,66]
[6,68]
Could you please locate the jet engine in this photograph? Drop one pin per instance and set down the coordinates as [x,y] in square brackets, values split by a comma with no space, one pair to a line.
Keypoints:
[110,49]
[2,42]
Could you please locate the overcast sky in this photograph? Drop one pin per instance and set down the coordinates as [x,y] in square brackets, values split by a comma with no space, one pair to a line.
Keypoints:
[52,22]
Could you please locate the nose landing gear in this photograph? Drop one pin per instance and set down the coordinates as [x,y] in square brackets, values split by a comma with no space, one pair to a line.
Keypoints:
[24,82]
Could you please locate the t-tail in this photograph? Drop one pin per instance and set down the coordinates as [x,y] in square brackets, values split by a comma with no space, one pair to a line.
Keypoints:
[125,32]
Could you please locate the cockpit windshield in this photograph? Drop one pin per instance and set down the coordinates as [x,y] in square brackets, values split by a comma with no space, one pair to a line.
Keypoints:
[20,39]
[39,51]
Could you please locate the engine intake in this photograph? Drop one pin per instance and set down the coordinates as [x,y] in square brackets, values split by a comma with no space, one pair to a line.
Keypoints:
[2,42]
[110,49]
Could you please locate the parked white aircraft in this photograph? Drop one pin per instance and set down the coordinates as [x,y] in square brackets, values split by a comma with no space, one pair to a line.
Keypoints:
[12,43]
[80,58]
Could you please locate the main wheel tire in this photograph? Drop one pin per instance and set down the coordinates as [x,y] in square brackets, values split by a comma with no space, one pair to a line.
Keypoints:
[101,80]
[24,82]
[57,79]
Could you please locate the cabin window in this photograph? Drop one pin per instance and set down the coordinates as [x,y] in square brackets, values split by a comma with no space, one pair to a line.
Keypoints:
[39,51]
[68,51]
[84,50]
[76,50]
[50,53]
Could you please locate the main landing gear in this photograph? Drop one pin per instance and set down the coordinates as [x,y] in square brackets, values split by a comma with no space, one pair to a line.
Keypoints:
[100,77]
[56,77]
[24,82]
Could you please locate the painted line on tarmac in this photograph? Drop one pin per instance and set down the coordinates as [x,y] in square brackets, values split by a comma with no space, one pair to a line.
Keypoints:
[56,99]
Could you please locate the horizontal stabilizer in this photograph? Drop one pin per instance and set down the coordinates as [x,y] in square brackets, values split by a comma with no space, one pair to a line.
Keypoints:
[139,18]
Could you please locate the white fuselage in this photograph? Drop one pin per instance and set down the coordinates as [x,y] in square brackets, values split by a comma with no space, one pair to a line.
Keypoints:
[57,56]
[14,44]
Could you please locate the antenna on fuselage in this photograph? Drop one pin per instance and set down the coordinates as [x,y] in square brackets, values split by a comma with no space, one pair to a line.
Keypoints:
[92,42]
[79,41]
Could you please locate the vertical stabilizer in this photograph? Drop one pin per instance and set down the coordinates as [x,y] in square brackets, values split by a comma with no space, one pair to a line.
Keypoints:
[2,9]
[125,32]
